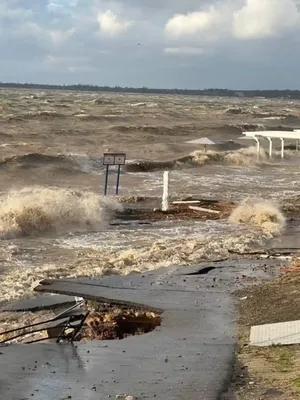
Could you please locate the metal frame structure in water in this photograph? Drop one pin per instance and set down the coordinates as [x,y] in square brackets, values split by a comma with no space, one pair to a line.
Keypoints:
[270,135]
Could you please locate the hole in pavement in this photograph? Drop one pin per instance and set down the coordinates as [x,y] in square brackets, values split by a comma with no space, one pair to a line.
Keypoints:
[202,271]
[86,320]
[106,322]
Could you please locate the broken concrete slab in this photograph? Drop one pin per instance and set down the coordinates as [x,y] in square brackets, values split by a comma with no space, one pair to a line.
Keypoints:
[282,333]
[41,302]
[190,355]
[177,279]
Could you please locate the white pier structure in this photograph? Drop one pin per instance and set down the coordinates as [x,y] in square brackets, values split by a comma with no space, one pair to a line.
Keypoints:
[270,135]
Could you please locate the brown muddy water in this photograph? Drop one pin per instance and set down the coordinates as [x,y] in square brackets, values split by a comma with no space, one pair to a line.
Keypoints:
[54,220]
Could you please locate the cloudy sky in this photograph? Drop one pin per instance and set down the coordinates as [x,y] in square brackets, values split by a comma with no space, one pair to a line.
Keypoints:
[240,44]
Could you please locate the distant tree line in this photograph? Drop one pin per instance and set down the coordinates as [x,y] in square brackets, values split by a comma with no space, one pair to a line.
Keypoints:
[286,94]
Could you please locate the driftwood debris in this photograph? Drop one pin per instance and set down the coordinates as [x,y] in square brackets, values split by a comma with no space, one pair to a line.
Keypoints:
[278,253]
[208,210]
[179,210]
[186,202]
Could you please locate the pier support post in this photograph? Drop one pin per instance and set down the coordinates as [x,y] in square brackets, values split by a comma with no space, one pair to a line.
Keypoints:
[297,145]
[165,196]
[282,148]
[270,147]
[257,147]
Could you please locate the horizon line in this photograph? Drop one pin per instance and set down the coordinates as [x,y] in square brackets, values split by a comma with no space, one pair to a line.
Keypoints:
[140,88]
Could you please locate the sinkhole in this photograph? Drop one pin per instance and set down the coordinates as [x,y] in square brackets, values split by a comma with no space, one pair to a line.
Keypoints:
[111,322]
[85,321]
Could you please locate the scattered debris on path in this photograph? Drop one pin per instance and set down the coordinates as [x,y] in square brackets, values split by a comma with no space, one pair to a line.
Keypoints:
[205,210]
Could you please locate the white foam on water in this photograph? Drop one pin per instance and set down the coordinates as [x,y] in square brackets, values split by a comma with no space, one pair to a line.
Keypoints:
[229,182]
[40,210]
[136,236]
[140,251]
[261,214]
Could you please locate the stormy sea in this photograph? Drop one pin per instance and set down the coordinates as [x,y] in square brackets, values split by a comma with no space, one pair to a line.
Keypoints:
[55,220]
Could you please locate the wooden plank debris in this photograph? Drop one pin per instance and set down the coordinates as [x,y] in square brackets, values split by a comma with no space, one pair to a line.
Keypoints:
[187,202]
[194,208]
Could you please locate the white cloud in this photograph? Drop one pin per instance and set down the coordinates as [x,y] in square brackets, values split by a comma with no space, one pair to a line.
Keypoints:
[184,50]
[77,34]
[239,19]
[265,18]
[111,25]
[193,23]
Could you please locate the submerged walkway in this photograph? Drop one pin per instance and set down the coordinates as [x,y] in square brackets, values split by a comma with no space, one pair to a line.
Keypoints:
[189,356]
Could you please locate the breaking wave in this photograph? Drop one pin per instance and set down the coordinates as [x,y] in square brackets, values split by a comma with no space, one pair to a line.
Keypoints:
[243,157]
[97,261]
[66,163]
[38,210]
[221,130]
[260,214]
[33,159]
[228,153]
[261,220]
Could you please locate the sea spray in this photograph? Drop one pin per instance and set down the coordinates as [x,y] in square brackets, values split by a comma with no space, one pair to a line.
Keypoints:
[245,157]
[38,210]
[260,221]
[242,157]
[260,214]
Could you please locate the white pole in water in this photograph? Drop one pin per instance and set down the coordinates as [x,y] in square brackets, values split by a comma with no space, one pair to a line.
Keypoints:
[270,147]
[165,196]
[282,147]
[257,147]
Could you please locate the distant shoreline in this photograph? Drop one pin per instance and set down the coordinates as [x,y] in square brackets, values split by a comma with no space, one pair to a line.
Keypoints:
[268,94]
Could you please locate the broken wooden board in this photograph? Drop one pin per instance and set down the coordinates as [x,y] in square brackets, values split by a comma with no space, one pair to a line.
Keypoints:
[207,210]
[186,202]
[201,200]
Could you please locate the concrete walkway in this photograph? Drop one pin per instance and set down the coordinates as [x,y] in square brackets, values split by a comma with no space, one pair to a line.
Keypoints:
[189,357]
